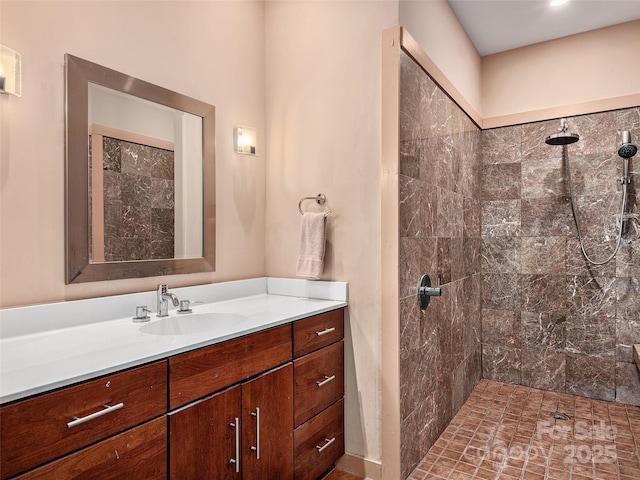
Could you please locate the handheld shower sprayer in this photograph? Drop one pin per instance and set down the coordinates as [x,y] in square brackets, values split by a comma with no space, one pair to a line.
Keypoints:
[627,149]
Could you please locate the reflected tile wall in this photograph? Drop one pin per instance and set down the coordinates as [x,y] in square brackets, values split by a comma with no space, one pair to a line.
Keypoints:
[440,227]
[138,201]
[550,320]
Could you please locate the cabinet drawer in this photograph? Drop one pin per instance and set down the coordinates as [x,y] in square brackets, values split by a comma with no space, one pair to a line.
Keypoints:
[139,453]
[317,332]
[196,374]
[318,381]
[40,429]
[319,443]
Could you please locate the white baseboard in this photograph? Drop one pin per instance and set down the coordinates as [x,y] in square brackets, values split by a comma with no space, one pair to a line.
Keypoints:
[363,467]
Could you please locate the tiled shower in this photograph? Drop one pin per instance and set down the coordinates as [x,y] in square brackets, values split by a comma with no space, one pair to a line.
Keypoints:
[550,320]
[488,213]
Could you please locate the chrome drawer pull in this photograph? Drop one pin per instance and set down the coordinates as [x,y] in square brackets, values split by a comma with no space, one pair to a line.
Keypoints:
[236,460]
[325,331]
[257,447]
[107,409]
[325,381]
[326,444]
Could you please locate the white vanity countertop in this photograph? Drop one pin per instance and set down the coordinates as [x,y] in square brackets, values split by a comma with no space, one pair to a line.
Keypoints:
[34,360]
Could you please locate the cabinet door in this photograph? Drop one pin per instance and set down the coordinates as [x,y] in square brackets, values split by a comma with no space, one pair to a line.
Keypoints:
[203,436]
[267,419]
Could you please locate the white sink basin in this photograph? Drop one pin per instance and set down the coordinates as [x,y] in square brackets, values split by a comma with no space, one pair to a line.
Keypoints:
[192,323]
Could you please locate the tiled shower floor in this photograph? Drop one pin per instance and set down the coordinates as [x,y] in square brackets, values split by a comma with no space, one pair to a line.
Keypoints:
[505,432]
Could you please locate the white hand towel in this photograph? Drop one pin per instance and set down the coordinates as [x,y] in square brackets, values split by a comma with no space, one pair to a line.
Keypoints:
[312,240]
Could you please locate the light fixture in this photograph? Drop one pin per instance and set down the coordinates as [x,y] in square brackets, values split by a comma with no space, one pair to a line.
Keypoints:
[557,3]
[244,140]
[10,75]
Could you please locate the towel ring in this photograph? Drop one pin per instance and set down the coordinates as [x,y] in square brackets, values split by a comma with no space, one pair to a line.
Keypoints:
[320,199]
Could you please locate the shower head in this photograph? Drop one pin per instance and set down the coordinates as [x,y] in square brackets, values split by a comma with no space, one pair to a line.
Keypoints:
[562,138]
[627,149]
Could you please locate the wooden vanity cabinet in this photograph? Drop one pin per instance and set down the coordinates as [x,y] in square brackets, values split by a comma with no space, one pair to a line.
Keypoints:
[243,432]
[318,372]
[43,428]
[265,406]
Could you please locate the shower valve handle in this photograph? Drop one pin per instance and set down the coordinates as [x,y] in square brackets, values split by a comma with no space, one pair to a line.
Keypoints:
[426,291]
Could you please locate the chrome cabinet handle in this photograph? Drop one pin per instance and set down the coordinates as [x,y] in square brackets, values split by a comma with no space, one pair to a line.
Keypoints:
[107,409]
[236,460]
[326,380]
[257,447]
[326,444]
[325,331]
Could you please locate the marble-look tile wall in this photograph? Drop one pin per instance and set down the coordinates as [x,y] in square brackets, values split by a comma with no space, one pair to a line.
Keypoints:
[138,201]
[549,320]
[439,235]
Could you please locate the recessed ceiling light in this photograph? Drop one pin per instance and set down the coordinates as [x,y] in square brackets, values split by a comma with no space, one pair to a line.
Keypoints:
[556,3]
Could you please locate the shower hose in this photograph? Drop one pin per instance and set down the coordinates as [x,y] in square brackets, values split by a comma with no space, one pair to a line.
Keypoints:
[575,214]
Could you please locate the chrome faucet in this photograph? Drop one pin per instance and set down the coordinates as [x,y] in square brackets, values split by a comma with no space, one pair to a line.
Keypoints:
[163,303]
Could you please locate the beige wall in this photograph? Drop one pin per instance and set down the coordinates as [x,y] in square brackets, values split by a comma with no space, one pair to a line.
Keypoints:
[323,123]
[211,50]
[539,81]
[528,83]
[434,25]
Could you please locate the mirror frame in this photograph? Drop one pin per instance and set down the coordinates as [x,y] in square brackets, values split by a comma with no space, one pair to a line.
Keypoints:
[79,73]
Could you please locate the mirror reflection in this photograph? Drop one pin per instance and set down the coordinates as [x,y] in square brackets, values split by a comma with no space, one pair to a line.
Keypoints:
[145,180]
[140,177]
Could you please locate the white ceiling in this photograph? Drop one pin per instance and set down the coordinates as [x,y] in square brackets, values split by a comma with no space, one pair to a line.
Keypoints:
[498,25]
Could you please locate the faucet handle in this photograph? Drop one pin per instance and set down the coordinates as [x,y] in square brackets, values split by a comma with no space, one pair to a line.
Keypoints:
[141,314]
[185,306]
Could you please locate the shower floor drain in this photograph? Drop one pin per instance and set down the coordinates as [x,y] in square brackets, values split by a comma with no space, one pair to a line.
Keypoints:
[560,416]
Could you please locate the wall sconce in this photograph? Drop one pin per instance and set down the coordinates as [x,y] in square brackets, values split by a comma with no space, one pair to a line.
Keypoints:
[244,140]
[10,71]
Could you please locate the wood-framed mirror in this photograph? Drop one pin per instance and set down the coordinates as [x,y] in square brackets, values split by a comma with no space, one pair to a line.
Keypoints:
[140,177]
